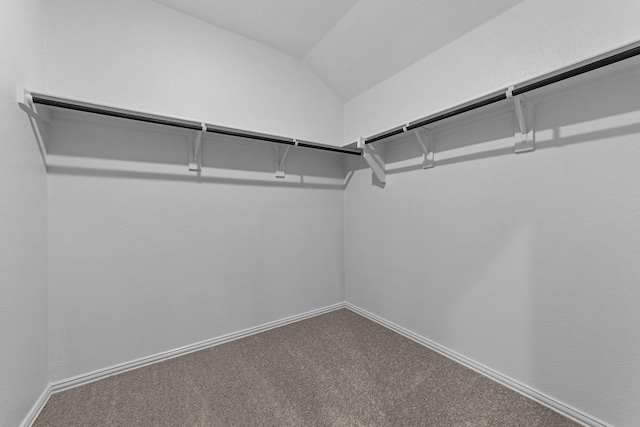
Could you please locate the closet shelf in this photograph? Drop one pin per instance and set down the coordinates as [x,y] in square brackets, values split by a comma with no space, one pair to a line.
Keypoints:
[597,62]
[524,136]
[27,99]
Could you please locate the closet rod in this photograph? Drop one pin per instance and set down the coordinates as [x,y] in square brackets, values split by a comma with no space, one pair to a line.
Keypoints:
[280,140]
[52,101]
[112,113]
[600,63]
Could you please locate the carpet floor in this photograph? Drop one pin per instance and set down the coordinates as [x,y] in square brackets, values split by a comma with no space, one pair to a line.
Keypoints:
[337,369]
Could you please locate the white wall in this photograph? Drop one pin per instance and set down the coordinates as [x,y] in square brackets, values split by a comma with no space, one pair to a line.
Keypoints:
[143,55]
[525,263]
[145,257]
[23,247]
[532,38]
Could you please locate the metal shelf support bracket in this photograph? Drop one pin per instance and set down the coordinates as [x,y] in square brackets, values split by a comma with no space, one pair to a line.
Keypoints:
[195,155]
[374,160]
[524,137]
[40,121]
[281,156]
[25,101]
[427,149]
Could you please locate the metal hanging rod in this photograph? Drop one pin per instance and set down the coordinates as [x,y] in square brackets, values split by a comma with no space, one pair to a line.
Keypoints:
[69,104]
[37,99]
[280,140]
[524,88]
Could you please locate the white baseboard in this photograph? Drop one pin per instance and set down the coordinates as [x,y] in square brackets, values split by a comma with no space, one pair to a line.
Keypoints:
[529,392]
[37,407]
[562,408]
[82,379]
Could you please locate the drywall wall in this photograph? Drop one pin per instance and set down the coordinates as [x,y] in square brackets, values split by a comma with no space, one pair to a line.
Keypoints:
[526,263]
[375,39]
[142,55]
[531,38]
[147,257]
[23,247]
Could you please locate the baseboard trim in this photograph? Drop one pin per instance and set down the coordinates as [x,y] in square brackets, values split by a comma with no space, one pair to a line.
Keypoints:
[37,407]
[99,374]
[529,392]
[562,408]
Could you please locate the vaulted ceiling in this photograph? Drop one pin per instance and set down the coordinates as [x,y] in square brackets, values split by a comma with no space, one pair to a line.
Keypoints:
[352,45]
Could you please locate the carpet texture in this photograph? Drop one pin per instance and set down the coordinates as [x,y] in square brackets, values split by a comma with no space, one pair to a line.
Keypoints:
[337,369]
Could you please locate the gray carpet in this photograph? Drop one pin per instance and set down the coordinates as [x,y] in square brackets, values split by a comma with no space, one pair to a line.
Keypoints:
[338,369]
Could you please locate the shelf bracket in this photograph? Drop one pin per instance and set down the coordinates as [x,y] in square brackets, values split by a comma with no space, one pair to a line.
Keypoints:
[25,101]
[374,160]
[524,138]
[427,149]
[195,155]
[40,121]
[281,156]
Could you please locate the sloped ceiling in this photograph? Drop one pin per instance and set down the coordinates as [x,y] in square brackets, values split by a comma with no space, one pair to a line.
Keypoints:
[350,44]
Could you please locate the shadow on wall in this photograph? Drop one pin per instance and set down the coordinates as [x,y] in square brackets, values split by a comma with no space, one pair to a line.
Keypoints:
[586,251]
[454,144]
[526,264]
[82,144]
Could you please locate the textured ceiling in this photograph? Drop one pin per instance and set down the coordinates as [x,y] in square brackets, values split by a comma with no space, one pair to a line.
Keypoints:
[350,44]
